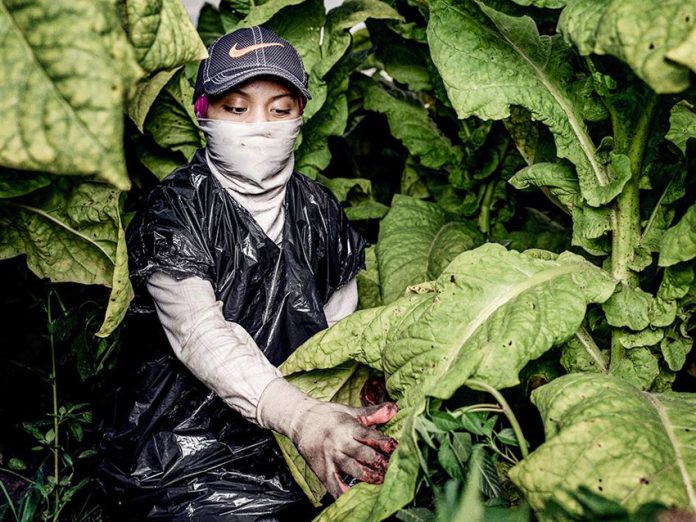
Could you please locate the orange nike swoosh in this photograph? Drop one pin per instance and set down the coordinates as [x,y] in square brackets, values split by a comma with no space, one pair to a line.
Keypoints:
[236,53]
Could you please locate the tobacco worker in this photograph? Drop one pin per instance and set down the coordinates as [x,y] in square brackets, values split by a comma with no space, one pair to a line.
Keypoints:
[243,259]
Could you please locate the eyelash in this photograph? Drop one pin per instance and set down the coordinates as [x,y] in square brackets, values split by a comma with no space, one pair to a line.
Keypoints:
[242,110]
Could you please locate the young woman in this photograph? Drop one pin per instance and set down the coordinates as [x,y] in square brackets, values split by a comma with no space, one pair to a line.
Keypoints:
[243,260]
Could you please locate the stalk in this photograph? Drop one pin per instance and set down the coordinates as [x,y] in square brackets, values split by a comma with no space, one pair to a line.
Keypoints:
[485,215]
[54,385]
[626,209]
[475,384]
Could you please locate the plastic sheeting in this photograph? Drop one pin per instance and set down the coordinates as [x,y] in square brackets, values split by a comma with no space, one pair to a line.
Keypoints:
[171,448]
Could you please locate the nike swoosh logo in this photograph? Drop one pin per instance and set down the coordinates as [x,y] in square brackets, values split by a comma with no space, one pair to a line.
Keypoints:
[236,53]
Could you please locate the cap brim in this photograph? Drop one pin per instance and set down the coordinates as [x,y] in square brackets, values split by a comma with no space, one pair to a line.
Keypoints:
[224,83]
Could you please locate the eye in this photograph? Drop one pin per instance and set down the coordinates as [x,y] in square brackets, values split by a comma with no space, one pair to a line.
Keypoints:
[281,112]
[234,109]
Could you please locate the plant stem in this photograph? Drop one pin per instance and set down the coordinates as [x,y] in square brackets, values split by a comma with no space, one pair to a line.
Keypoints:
[475,384]
[484,220]
[54,385]
[626,211]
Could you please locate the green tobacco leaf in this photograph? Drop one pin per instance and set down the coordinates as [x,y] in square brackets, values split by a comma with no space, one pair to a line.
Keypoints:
[404,60]
[675,348]
[647,337]
[490,61]
[15,183]
[368,209]
[171,121]
[410,123]
[411,182]
[488,314]
[679,242]
[121,289]
[684,53]
[209,24]
[369,293]
[260,14]
[629,307]
[71,233]
[638,32]
[550,4]
[417,240]
[301,25]
[66,70]
[606,435]
[162,34]
[639,367]
[161,162]
[313,155]
[338,23]
[589,223]
[682,125]
[146,92]
[676,282]
[341,187]
[559,178]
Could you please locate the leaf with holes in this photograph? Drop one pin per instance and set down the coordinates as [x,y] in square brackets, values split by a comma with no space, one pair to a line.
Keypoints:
[602,433]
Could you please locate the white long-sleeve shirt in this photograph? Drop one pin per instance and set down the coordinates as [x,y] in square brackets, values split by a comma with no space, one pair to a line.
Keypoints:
[218,352]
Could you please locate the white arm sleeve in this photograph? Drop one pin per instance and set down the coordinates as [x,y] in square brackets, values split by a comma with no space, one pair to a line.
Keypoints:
[218,352]
[343,302]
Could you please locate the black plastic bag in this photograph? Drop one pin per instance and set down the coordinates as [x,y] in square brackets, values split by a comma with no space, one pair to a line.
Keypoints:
[171,448]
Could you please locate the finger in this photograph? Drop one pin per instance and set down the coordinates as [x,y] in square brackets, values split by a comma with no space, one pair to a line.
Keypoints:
[334,485]
[377,440]
[355,469]
[379,414]
[367,456]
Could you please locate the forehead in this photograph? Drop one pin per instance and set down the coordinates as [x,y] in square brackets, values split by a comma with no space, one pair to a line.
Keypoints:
[263,86]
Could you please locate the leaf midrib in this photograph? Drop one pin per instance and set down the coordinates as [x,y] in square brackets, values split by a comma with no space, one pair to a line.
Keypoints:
[667,425]
[501,300]
[62,100]
[584,140]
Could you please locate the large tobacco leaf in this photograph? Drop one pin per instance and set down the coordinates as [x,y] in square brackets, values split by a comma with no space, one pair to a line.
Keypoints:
[682,125]
[71,232]
[641,33]
[488,314]
[417,240]
[66,70]
[679,242]
[631,446]
[162,34]
[490,61]
[171,120]
[410,123]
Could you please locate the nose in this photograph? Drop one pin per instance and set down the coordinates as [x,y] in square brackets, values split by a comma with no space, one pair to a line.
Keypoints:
[257,113]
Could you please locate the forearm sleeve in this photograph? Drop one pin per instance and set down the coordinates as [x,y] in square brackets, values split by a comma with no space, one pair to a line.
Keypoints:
[218,352]
[343,302]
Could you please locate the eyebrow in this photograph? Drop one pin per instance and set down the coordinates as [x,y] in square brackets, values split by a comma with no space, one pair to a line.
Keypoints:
[276,97]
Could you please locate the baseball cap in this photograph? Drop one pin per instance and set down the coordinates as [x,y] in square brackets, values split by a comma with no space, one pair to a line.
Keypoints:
[242,54]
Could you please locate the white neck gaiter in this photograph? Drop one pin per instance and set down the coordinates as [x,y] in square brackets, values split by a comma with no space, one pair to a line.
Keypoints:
[254,162]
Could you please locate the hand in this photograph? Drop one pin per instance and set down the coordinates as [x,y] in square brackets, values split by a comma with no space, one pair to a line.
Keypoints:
[332,438]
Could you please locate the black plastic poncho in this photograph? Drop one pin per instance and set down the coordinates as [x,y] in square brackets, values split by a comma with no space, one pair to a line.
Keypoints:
[171,447]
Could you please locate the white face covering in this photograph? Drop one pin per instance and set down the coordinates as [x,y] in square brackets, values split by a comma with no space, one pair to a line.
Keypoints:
[254,162]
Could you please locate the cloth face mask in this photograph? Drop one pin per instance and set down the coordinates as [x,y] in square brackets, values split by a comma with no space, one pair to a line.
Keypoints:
[254,162]
[255,157]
